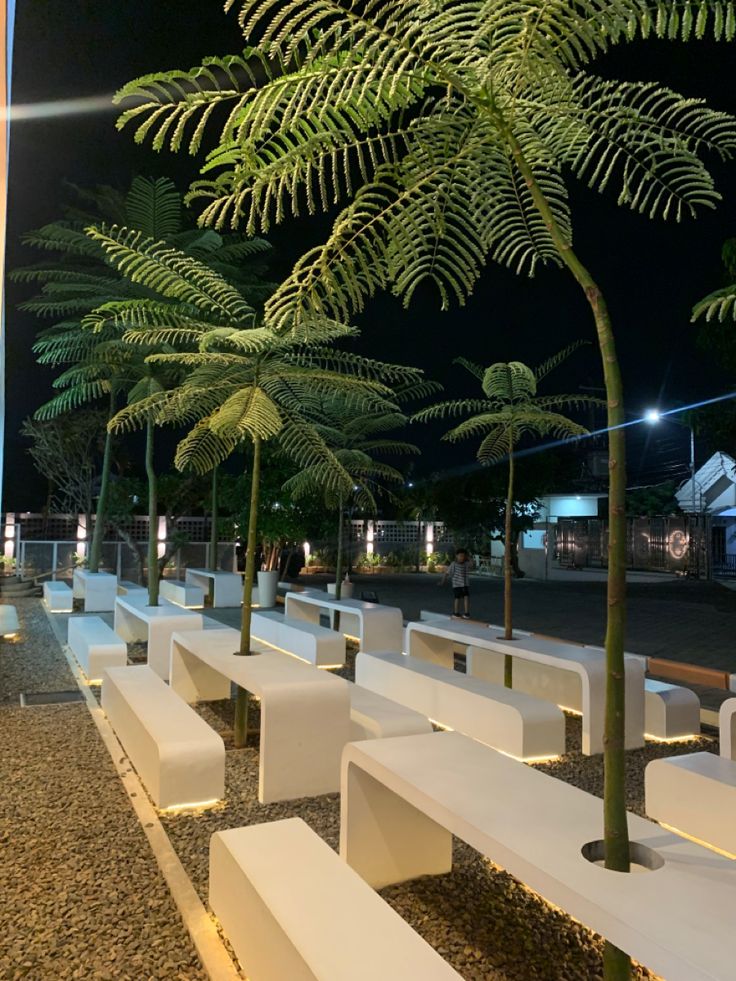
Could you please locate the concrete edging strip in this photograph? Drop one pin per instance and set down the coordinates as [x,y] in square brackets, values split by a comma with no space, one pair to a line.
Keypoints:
[215,959]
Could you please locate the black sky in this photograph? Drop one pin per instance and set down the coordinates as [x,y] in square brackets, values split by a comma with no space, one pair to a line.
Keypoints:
[651,272]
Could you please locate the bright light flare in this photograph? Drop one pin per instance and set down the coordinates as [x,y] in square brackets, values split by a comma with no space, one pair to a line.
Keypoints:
[57,108]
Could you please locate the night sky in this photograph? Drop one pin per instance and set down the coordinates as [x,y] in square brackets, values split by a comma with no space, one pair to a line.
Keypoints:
[651,273]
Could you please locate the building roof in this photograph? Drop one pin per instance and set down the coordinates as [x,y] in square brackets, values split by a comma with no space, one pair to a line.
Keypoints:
[715,486]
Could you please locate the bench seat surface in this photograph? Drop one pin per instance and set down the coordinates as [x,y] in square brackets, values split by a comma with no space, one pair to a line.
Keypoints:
[315,912]
[678,920]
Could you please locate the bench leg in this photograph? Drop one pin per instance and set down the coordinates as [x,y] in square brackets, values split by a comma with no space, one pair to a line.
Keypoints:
[302,737]
[384,838]
[436,650]
[194,681]
[128,627]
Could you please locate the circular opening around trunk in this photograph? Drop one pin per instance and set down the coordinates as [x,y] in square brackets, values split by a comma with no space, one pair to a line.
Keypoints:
[642,858]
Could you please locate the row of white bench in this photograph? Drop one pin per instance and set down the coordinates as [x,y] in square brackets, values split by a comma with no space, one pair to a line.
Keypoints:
[135,707]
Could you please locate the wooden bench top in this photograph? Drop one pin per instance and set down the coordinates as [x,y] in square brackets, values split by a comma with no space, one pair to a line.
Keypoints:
[677,920]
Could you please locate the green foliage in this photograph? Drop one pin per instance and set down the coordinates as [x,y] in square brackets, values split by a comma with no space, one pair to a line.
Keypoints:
[657,499]
[511,408]
[415,119]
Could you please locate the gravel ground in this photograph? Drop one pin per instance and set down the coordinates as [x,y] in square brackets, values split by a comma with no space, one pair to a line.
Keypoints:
[485,923]
[82,894]
[32,662]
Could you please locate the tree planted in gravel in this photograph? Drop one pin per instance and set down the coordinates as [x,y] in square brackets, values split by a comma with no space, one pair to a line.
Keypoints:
[240,382]
[356,438]
[78,279]
[510,411]
[453,127]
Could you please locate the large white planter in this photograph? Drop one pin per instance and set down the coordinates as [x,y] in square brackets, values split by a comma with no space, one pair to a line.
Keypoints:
[267,583]
[346,591]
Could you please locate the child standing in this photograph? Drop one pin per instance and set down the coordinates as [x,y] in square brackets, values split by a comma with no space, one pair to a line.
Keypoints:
[458,573]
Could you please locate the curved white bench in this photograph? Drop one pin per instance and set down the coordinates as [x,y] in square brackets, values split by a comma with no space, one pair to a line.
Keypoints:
[696,795]
[97,590]
[136,621]
[179,758]
[377,627]
[305,713]
[9,625]
[402,800]
[181,593]
[95,646]
[58,597]
[308,641]
[293,910]
[570,676]
[727,728]
[227,586]
[670,711]
[517,724]
[373,716]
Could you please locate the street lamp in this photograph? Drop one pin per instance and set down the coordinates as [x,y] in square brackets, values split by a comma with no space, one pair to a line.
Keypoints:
[653,416]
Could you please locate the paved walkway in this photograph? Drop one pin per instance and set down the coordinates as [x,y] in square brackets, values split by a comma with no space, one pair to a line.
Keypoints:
[82,896]
[678,619]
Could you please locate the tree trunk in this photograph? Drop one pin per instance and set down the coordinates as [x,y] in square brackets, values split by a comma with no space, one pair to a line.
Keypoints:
[616,964]
[241,701]
[338,564]
[508,661]
[98,535]
[214,514]
[152,519]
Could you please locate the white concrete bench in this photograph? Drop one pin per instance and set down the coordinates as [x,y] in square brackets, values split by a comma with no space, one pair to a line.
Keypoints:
[293,910]
[125,587]
[136,621]
[402,800]
[670,711]
[696,795]
[727,728]
[373,716]
[516,723]
[305,713]
[58,597]
[437,638]
[95,646]
[179,758]
[308,641]
[377,627]
[227,586]
[9,625]
[181,593]
[97,590]
[570,676]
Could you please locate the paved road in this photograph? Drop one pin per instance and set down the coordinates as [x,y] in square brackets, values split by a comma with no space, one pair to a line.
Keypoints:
[681,619]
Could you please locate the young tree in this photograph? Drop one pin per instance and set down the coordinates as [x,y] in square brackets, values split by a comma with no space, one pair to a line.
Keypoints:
[453,127]
[355,438]
[510,411]
[239,382]
[78,279]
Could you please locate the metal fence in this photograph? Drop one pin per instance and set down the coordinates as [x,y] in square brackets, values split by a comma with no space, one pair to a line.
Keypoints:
[49,559]
[675,544]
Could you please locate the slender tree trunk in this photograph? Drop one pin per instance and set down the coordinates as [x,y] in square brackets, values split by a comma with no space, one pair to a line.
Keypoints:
[214,514]
[338,564]
[98,535]
[616,964]
[241,701]
[508,661]
[152,519]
